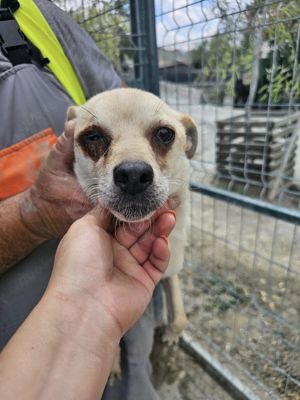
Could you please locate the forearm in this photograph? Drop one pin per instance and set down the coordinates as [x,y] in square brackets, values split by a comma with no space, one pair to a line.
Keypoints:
[59,352]
[17,239]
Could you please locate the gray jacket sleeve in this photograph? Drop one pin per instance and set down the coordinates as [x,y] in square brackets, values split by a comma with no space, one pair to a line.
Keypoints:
[4,63]
[93,69]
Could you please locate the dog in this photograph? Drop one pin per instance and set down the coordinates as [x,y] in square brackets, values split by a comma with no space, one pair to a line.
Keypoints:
[131,154]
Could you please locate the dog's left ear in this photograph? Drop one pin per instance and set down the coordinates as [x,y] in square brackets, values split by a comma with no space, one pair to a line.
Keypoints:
[191,134]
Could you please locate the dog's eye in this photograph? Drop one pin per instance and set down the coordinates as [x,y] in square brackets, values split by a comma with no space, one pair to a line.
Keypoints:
[94,142]
[93,136]
[164,135]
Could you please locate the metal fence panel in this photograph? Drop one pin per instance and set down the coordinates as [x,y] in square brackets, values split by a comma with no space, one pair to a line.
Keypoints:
[234,66]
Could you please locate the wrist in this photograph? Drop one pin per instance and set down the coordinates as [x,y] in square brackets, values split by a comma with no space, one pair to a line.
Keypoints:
[58,352]
[89,324]
[31,218]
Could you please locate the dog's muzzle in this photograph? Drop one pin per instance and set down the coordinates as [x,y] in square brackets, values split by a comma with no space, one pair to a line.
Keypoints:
[135,196]
[133,177]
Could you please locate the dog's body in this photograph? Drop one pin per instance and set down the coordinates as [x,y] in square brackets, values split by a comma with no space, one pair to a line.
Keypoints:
[131,155]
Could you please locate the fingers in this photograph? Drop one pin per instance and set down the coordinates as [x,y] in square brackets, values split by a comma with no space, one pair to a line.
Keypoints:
[69,129]
[163,226]
[61,157]
[128,234]
[158,261]
[150,272]
[99,216]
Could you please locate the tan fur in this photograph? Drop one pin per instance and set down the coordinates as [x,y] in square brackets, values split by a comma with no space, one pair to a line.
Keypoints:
[129,117]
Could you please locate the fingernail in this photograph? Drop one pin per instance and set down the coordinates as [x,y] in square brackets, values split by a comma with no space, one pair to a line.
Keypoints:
[165,239]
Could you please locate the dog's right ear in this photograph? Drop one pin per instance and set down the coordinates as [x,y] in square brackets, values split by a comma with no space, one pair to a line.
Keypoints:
[191,134]
[72,113]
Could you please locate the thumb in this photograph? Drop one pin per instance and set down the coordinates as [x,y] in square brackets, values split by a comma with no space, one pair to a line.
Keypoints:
[100,216]
[61,156]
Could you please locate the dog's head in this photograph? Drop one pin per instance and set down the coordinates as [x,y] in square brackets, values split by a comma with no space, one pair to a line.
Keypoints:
[131,151]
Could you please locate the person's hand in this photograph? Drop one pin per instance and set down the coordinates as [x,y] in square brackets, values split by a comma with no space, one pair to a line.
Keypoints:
[55,200]
[114,276]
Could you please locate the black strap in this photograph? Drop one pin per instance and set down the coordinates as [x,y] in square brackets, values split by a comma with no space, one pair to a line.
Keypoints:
[13,43]
[12,4]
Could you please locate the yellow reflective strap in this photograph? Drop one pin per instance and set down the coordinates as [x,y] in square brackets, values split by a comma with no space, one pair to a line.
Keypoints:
[34,25]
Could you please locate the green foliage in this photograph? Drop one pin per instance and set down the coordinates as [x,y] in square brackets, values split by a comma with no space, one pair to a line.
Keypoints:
[230,55]
[107,22]
[221,60]
[283,81]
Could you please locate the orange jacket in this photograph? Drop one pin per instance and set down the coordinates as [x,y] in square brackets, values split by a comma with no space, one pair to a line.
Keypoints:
[20,163]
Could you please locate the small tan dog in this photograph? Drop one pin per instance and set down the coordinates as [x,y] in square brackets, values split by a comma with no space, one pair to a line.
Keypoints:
[131,155]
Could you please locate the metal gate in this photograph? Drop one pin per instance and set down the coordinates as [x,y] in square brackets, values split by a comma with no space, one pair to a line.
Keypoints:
[234,66]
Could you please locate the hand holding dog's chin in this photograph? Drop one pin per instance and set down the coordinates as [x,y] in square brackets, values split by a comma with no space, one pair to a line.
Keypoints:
[96,276]
[55,200]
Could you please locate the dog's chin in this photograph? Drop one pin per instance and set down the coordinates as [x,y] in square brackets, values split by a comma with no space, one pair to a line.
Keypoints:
[132,219]
[133,209]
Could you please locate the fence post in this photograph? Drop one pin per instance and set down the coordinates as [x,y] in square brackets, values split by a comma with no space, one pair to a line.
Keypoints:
[142,13]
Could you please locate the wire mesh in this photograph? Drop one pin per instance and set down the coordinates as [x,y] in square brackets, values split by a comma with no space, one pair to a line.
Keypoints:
[108,22]
[117,30]
[233,65]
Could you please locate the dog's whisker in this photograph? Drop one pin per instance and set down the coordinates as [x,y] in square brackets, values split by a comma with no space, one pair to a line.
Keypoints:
[176,180]
[160,104]
[89,112]
[116,227]
[91,179]
[83,118]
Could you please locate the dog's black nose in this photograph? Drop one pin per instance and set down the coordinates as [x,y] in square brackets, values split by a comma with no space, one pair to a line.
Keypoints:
[133,177]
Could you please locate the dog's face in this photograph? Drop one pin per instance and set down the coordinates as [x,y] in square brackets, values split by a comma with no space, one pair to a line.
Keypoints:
[131,151]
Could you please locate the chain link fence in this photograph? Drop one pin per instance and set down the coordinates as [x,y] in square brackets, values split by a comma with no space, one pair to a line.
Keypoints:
[233,65]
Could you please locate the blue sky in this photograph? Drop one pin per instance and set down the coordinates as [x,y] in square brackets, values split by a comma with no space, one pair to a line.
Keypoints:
[182,23]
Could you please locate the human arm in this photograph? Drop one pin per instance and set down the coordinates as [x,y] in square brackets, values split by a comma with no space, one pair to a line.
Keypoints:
[16,239]
[44,211]
[99,287]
